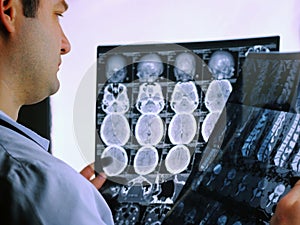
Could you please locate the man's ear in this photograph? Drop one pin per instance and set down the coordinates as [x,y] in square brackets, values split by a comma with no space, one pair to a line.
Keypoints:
[8,14]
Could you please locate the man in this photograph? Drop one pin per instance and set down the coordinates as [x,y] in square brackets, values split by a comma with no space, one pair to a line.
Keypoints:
[35,187]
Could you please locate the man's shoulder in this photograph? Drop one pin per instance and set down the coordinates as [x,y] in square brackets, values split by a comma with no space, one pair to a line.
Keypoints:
[47,186]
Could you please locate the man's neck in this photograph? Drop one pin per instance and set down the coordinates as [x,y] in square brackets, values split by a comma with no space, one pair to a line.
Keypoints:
[9,110]
[7,102]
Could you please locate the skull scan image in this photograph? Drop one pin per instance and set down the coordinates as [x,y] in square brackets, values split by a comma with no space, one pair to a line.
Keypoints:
[185,67]
[149,68]
[182,129]
[115,130]
[184,97]
[221,64]
[178,159]
[150,98]
[118,157]
[146,160]
[115,99]
[116,69]
[149,129]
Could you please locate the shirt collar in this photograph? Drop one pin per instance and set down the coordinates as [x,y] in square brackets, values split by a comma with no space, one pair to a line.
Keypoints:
[44,143]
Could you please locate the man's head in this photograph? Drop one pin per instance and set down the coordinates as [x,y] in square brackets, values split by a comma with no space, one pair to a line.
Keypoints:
[31,45]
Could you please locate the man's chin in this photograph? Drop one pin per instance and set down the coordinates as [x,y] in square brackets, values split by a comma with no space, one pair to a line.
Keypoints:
[54,89]
[40,98]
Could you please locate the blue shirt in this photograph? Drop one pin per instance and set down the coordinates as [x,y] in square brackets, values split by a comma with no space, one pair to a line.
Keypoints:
[37,188]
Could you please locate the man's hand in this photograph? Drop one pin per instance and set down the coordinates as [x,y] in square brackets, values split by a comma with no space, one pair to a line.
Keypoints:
[288,208]
[88,172]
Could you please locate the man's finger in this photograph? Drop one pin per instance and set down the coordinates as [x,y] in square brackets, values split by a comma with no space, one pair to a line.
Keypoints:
[88,171]
[99,180]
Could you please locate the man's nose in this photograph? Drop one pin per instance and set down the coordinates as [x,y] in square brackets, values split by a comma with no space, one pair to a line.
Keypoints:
[65,45]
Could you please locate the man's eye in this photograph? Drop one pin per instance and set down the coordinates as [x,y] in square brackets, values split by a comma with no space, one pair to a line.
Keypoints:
[59,14]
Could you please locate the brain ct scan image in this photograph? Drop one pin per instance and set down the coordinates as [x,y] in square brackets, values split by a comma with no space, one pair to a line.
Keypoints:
[118,160]
[217,94]
[185,98]
[115,99]
[208,124]
[182,129]
[158,114]
[145,160]
[149,129]
[150,99]
[178,159]
[111,132]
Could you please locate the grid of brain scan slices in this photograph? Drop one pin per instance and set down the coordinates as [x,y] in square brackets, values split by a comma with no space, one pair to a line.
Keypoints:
[157,107]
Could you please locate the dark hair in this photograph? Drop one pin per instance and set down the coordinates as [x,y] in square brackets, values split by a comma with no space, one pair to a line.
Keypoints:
[30,7]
